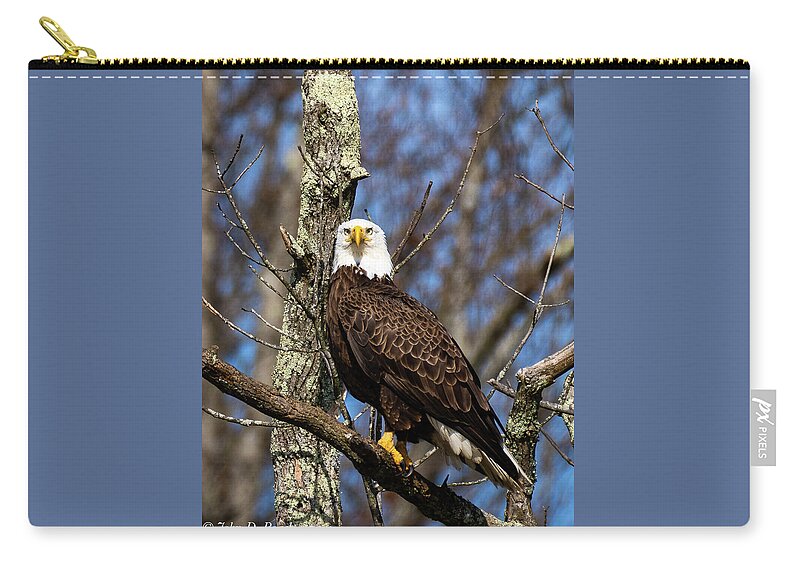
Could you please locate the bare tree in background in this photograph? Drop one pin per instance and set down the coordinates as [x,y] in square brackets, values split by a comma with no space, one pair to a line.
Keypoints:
[469,262]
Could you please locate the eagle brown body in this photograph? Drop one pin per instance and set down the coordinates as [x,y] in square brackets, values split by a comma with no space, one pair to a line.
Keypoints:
[393,353]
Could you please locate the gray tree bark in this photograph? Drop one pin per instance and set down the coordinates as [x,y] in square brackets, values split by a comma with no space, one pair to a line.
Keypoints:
[306,468]
[523,428]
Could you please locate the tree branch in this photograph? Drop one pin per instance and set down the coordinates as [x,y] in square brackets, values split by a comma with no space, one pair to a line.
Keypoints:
[372,461]
[530,277]
[548,368]
[412,225]
[541,189]
[538,114]
[451,205]
[552,442]
[244,422]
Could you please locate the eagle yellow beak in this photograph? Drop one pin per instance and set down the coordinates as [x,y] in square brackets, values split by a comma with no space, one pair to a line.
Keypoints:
[357,235]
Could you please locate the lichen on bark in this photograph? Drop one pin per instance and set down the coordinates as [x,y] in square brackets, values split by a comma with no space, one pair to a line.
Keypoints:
[307,469]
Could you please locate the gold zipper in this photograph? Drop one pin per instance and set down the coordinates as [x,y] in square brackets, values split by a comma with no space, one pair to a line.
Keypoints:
[74,54]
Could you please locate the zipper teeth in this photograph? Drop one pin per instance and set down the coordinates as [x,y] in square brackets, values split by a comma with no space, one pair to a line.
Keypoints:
[392,63]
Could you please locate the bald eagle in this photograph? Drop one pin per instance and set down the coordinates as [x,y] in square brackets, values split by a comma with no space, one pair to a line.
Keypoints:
[393,353]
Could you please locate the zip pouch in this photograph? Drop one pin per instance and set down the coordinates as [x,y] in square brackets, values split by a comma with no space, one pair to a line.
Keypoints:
[362,292]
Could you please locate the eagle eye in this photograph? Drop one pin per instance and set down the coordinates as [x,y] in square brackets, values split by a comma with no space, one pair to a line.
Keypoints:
[369,230]
[346,231]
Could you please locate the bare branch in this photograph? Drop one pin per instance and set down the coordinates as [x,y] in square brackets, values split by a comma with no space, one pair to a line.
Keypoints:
[552,305]
[245,228]
[363,411]
[266,283]
[233,326]
[538,309]
[373,500]
[372,461]
[510,288]
[246,168]
[271,326]
[241,421]
[412,226]
[529,284]
[468,483]
[521,432]
[240,249]
[425,457]
[552,255]
[557,408]
[541,189]
[563,455]
[233,157]
[538,114]
[451,205]
[502,388]
[546,371]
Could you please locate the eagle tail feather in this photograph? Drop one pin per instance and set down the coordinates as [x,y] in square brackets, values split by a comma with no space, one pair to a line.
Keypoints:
[456,445]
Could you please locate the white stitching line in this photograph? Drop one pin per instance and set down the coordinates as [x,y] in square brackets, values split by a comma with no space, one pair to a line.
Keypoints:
[282,77]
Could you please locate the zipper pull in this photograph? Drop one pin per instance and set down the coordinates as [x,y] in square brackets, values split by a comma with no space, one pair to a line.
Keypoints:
[72,52]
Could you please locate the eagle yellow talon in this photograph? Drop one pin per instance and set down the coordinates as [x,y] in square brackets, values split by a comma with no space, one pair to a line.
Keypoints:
[407,462]
[387,442]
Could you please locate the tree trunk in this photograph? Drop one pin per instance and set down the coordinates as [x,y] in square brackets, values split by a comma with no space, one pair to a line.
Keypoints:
[523,428]
[306,469]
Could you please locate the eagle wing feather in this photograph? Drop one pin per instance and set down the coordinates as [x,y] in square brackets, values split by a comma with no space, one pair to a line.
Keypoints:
[400,343]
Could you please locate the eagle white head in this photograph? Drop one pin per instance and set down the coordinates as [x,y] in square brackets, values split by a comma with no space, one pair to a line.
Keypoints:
[361,243]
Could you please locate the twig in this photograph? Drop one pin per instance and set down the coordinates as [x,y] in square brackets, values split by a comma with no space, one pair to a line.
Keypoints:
[538,114]
[266,283]
[412,226]
[241,250]
[364,410]
[510,288]
[502,388]
[451,205]
[237,328]
[244,227]
[468,483]
[374,424]
[541,189]
[241,421]
[373,500]
[246,168]
[271,326]
[555,446]
[233,157]
[425,457]
[561,304]
[558,408]
[537,313]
